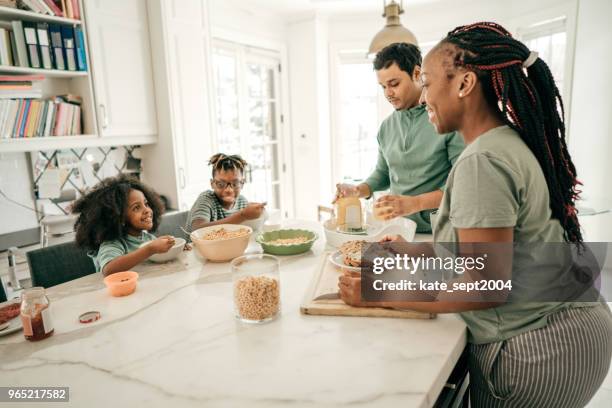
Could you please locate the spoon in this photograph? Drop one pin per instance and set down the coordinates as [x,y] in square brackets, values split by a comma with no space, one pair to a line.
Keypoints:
[185,231]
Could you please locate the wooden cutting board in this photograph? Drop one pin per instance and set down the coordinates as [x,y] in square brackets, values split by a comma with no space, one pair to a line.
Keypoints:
[325,280]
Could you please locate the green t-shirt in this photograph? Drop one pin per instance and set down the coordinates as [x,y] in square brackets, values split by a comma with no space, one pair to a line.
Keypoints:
[412,158]
[110,250]
[497,183]
[208,208]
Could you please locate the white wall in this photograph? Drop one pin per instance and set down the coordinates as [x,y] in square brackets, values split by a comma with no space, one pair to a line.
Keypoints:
[227,16]
[591,126]
[305,122]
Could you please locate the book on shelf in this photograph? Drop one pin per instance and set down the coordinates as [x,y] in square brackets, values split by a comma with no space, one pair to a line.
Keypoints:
[21,86]
[20,44]
[6,54]
[42,30]
[57,46]
[8,3]
[68,43]
[31,118]
[59,8]
[42,45]
[80,49]
[31,39]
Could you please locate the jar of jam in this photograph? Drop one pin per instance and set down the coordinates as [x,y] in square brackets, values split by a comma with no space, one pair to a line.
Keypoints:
[36,314]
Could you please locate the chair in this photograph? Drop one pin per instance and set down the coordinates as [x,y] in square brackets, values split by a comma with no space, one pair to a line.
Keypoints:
[57,227]
[321,209]
[171,223]
[57,264]
[2,293]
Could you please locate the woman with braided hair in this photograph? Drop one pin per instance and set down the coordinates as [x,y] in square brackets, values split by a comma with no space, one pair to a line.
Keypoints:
[224,204]
[514,183]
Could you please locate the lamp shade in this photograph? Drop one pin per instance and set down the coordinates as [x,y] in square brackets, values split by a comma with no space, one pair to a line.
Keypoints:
[392,32]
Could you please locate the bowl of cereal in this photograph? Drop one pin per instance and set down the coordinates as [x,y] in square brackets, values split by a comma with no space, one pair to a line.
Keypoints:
[287,241]
[221,243]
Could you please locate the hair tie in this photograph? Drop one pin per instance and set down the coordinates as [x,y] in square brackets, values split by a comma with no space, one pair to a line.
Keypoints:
[533,56]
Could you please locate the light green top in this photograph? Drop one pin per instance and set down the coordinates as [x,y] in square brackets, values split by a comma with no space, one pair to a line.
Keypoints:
[110,250]
[412,158]
[496,183]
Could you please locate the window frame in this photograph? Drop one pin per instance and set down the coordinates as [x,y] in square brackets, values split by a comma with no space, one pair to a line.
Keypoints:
[343,53]
[251,49]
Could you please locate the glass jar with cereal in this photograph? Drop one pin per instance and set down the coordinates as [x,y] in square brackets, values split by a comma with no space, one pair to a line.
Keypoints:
[256,281]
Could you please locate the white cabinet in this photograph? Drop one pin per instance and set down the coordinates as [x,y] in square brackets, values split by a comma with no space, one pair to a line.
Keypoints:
[181,41]
[117,89]
[188,46]
[120,54]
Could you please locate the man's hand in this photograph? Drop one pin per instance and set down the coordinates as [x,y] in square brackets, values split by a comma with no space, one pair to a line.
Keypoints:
[346,190]
[392,206]
[161,245]
[253,211]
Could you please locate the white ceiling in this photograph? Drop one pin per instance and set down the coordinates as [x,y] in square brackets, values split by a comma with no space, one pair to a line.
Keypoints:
[292,8]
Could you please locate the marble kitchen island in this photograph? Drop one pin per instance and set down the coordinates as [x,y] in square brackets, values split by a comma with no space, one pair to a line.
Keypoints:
[175,342]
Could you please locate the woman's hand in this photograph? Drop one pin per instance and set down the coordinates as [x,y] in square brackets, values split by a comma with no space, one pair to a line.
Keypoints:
[350,289]
[392,206]
[392,238]
[161,245]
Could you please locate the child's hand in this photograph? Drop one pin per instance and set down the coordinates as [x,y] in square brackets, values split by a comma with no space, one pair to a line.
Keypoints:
[253,210]
[161,245]
[187,247]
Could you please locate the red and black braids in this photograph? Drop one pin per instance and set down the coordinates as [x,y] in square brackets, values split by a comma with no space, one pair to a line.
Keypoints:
[529,102]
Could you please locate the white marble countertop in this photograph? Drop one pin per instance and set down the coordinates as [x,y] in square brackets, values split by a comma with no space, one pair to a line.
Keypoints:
[175,342]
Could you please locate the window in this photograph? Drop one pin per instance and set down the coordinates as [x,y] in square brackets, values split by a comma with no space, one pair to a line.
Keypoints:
[361,109]
[549,39]
[248,115]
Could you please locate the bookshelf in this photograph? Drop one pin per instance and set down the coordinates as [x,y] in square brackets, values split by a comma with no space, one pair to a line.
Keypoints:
[70,142]
[114,112]
[50,73]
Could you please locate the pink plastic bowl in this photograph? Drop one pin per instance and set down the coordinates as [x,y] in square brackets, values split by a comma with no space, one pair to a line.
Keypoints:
[121,283]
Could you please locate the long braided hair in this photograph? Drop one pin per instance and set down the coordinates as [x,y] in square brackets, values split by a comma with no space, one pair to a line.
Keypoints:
[529,102]
[221,161]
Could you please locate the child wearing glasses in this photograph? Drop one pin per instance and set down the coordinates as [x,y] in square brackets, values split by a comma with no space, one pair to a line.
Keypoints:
[224,204]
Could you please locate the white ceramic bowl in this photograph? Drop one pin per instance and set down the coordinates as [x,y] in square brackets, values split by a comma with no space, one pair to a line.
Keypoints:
[401,226]
[221,250]
[174,252]
[257,223]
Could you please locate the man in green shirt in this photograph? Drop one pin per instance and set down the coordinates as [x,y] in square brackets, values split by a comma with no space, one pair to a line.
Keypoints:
[413,160]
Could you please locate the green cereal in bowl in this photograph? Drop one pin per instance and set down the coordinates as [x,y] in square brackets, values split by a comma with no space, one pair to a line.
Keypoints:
[287,241]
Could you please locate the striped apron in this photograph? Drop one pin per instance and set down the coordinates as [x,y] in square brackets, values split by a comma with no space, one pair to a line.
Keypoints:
[560,365]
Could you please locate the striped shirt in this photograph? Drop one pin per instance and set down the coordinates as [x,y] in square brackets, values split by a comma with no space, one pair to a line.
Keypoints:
[209,208]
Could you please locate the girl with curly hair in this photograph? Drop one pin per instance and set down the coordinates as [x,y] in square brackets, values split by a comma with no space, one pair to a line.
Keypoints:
[224,204]
[115,218]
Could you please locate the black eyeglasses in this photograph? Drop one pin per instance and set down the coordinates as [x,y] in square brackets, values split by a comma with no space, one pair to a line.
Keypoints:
[222,185]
